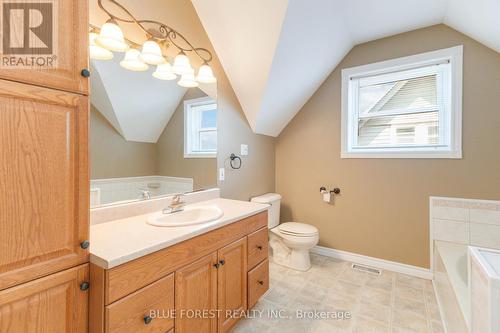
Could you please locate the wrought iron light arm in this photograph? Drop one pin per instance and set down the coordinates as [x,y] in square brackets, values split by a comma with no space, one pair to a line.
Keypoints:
[164,32]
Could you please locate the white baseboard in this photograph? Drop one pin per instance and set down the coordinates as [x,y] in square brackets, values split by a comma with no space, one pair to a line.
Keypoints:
[374,262]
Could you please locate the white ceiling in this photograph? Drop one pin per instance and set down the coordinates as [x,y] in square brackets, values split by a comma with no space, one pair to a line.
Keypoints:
[277,53]
[136,104]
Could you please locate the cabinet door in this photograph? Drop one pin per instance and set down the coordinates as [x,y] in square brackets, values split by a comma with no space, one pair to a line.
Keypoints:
[196,296]
[44,190]
[68,34]
[232,283]
[54,303]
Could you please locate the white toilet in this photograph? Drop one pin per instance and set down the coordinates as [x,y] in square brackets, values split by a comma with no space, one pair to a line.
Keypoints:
[290,242]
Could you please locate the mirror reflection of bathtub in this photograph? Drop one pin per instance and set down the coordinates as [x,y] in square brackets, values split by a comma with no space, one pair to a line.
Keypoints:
[121,190]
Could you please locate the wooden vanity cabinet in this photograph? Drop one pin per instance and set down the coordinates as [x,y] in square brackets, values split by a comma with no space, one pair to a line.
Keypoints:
[211,273]
[232,283]
[44,186]
[55,303]
[196,290]
[44,179]
[69,54]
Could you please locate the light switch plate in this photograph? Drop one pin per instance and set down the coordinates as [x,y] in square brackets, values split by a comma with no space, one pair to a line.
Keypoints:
[244,150]
[222,174]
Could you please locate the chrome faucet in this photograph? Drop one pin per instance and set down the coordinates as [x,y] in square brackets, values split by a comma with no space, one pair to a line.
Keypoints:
[176,205]
[145,193]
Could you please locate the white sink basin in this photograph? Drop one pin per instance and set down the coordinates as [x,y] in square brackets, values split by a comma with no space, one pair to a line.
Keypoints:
[188,216]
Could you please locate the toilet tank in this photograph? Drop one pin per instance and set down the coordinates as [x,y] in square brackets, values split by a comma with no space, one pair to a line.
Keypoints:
[274,200]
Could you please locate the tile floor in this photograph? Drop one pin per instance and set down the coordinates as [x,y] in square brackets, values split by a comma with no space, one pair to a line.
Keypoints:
[389,303]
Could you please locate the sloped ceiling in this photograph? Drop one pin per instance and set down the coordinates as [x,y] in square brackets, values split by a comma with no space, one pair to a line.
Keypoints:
[277,53]
[136,104]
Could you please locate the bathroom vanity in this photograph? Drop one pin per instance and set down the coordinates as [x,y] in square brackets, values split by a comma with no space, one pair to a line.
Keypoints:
[197,278]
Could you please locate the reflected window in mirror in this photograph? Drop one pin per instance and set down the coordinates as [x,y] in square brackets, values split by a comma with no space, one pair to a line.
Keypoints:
[200,128]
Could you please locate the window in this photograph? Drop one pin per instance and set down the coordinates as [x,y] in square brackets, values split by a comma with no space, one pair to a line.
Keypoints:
[200,128]
[404,108]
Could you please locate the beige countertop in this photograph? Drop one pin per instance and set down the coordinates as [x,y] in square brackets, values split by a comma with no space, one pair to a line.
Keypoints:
[116,242]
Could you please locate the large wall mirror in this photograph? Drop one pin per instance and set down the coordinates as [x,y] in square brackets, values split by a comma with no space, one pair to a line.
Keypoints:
[149,137]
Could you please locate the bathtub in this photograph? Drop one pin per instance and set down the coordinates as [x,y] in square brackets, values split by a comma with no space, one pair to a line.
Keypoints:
[451,276]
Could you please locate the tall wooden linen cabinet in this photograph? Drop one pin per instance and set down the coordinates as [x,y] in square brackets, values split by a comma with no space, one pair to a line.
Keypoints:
[44,185]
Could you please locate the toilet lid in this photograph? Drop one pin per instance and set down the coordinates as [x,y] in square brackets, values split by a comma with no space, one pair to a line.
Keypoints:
[298,229]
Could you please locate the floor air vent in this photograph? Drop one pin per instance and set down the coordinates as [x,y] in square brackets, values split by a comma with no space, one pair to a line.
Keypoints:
[366,269]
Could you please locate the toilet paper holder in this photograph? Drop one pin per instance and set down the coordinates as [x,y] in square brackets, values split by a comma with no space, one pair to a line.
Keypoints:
[336,190]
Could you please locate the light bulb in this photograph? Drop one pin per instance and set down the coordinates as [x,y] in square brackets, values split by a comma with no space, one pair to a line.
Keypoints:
[111,37]
[97,52]
[164,72]
[132,62]
[205,74]
[151,53]
[187,80]
[181,64]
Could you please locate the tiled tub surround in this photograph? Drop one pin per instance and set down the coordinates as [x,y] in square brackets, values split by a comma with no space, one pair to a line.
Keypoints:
[456,224]
[485,290]
[451,284]
[105,191]
[464,221]
[390,302]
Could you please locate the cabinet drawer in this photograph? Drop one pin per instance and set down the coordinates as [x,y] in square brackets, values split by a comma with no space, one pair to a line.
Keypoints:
[258,282]
[130,314]
[258,247]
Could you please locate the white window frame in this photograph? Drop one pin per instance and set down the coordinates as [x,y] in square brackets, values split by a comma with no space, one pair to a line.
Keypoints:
[452,116]
[188,153]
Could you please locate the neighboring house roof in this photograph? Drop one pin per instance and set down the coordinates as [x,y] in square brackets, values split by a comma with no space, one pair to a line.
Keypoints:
[418,92]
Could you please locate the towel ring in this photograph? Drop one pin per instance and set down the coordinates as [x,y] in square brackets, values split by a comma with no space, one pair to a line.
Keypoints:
[232,158]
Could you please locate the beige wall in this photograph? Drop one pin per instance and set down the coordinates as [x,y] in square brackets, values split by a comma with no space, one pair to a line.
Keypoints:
[257,173]
[111,156]
[170,145]
[383,209]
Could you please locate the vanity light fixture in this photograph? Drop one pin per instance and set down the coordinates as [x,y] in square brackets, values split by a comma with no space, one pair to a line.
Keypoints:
[111,37]
[96,51]
[132,61]
[205,74]
[181,64]
[164,72]
[151,53]
[187,80]
[159,37]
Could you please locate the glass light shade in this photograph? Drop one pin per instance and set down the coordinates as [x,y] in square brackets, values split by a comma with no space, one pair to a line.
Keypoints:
[205,75]
[164,72]
[111,37]
[187,80]
[181,64]
[151,53]
[132,62]
[97,52]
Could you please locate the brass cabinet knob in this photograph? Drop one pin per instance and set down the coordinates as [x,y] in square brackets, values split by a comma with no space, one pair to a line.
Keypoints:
[216,265]
[222,262]
[84,286]
[261,282]
[85,244]
[259,247]
[147,319]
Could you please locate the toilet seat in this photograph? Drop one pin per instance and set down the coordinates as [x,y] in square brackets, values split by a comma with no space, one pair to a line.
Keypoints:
[298,229]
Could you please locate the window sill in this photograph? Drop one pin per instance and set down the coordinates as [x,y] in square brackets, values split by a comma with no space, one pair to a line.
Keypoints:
[402,154]
[209,155]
